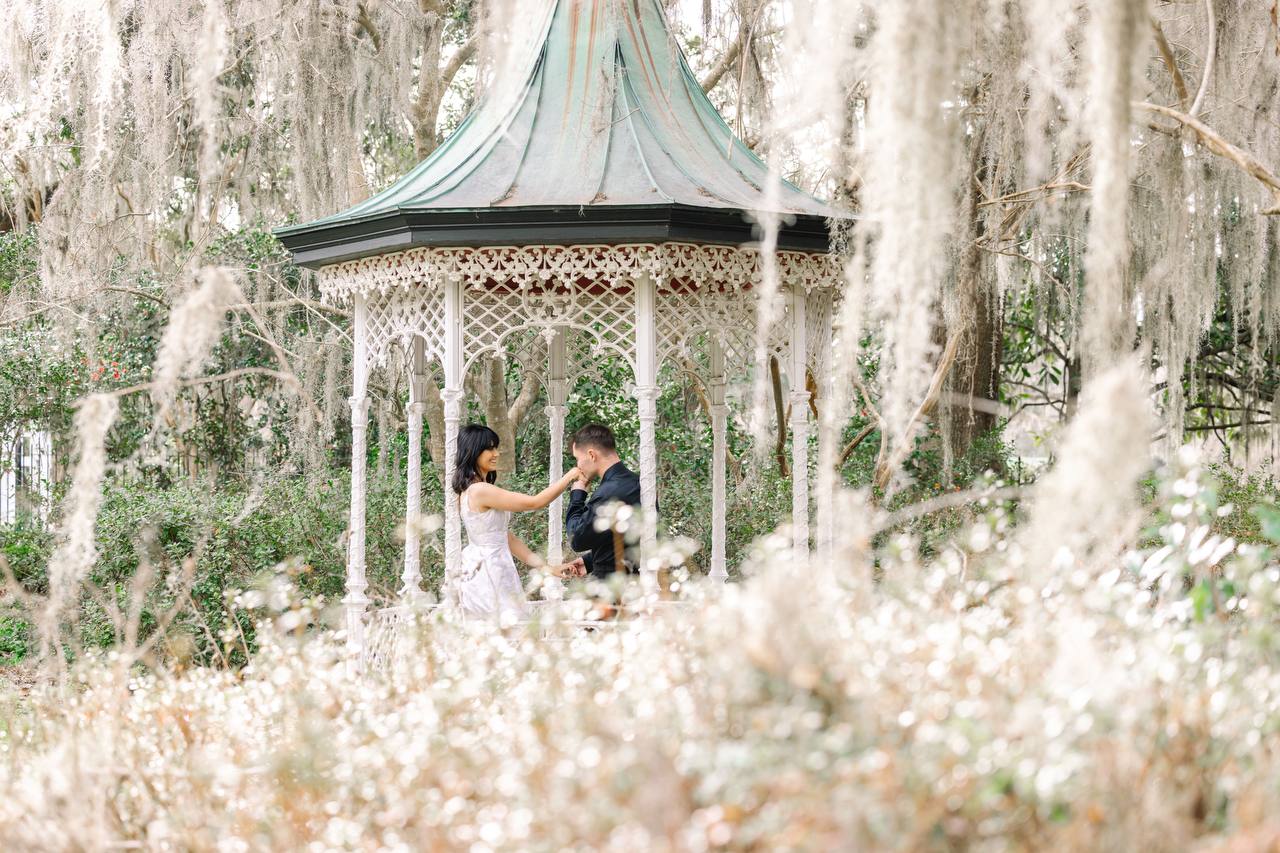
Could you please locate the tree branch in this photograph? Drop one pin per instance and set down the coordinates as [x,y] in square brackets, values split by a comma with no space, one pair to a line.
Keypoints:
[1219,427]
[1166,53]
[1210,54]
[726,62]
[886,464]
[775,376]
[525,398]
[1223,148]
[855,441]
[455,63]
[364,22]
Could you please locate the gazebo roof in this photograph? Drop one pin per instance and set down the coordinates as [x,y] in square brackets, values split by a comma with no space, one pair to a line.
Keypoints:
[594,131]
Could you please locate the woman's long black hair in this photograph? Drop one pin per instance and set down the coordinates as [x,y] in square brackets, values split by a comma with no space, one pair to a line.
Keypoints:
[473,439]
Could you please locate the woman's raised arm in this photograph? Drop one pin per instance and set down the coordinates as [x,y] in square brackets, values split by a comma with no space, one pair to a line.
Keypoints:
[485,496]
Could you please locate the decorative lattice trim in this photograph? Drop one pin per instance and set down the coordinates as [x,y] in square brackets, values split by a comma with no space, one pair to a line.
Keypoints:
[514,300]
[526,266]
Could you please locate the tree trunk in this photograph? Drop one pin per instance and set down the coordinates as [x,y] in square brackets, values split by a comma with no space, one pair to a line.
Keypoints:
[426,108]
[424,113]
[433,416]
[504,415]
[973,385]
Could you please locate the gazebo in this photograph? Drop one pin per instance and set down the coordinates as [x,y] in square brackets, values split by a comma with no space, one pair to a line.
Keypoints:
[593,203]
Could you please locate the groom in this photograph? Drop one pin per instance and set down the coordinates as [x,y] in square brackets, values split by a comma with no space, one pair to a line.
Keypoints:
[596,453]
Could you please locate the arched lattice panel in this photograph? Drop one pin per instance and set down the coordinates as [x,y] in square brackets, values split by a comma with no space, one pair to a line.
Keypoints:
[740,343]
[689,316]
[396,315]
[500,318]
[583,360]
[819,315]
[529,350]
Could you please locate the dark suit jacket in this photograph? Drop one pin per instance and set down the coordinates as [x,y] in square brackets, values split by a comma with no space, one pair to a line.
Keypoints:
[618,484]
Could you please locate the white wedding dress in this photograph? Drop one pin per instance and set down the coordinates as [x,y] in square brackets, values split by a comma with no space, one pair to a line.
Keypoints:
[488,585]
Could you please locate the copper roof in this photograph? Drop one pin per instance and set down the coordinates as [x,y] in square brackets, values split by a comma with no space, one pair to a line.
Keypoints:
[599,132]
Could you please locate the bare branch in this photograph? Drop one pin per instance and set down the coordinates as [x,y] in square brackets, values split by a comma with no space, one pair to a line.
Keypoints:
[886,464]
[857,440]
[1210,54]
[1223,148]
[525,398]
[366,23]
[455,63]
[775,377]
[730,57]
[1037,193]
[955,499]
[725,62]
[1166,53]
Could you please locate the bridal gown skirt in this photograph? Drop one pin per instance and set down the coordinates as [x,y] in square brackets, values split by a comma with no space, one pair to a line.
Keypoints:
[488,585]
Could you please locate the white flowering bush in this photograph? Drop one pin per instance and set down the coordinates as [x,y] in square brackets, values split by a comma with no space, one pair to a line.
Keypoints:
[951,704]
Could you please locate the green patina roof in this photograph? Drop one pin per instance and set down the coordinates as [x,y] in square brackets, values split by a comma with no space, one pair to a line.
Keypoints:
[599,113]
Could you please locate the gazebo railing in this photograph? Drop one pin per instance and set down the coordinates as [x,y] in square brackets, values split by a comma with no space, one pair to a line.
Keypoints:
[389,633]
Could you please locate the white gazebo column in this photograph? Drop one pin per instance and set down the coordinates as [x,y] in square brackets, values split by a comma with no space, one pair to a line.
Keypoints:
[799,423]
[646,350]
[557,394]
[452,395]
[829,429]
[356,601]
[412,576]
[719,450]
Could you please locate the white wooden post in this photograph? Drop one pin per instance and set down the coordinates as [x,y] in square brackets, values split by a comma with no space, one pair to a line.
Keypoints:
[830,409]
[412,576]
[799,423]
[719,450]
[557,394]
[452,395]
[356,601]
[646,303]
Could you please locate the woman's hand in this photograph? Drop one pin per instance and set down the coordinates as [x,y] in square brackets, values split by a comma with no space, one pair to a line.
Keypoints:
[571,476]
[574,569]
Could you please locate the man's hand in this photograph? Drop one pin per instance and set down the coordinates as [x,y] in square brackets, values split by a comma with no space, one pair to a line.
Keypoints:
[580,484]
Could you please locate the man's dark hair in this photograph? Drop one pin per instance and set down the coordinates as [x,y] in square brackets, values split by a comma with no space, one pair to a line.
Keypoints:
[598,436]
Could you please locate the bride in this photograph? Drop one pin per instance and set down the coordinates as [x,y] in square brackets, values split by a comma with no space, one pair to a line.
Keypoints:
[487,584]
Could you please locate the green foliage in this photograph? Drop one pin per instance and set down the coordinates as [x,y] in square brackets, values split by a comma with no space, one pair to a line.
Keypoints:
[237,531]
[26,547]
[236,538]
[1268,516]
[41,377]
[15,639]
[1248,497]
[18,258]
[1237,504]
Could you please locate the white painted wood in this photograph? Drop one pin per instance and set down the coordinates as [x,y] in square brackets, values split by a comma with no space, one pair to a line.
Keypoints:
[719,451]
[831,406]
[799,422]
[646,348]
[356,601]
[453,396]
[557,394]
[412,576]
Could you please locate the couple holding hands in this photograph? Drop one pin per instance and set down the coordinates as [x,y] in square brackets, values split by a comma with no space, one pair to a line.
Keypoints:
[487,584]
